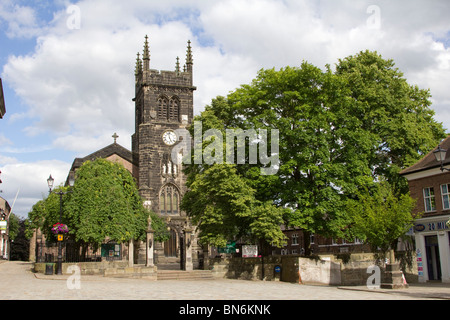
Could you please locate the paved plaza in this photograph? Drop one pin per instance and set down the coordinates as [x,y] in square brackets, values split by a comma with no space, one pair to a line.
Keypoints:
[19,283]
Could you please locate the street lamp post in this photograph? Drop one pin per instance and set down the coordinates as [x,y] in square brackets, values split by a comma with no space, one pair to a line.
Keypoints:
[50,182]
[439,154]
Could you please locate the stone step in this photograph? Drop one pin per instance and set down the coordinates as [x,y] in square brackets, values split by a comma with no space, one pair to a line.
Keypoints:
[131,272]
[184,275]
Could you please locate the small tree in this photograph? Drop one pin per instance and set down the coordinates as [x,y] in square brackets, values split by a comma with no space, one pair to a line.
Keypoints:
[380,218]
[105,203]
[224,207]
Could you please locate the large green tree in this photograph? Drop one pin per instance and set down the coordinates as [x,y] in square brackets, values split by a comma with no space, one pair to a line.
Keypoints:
[340,132]
[396,114]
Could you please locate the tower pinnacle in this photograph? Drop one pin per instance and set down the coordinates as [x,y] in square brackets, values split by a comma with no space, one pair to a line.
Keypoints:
[177,66]
[146,55]
[189,60]
[138,68]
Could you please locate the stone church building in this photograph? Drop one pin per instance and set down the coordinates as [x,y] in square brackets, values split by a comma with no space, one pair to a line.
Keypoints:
[163,103]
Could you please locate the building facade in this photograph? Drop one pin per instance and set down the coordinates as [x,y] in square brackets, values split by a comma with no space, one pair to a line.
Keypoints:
[5,211]
[164,102]
[319,244]
[430,186]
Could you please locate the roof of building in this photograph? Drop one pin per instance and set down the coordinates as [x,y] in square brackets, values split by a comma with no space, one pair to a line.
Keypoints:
[429,161]
[105,152]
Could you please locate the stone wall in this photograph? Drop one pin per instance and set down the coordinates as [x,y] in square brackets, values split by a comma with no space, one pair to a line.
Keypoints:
[256,268]
[86,268]
[327,269]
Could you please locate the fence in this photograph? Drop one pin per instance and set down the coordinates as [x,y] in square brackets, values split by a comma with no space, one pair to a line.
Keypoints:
[73,252]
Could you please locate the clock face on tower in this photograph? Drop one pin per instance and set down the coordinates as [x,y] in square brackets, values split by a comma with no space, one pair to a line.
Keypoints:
[169,138]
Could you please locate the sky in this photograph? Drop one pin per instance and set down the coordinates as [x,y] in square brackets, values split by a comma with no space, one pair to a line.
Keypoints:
[68,67]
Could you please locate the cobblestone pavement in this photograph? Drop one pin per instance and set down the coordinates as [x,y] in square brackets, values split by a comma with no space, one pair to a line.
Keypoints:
[19,283]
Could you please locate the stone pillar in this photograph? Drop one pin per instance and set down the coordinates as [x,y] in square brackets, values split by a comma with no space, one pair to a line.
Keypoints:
[188,253]
[32,252]
[149,249]
[393,277]
[205,257]
[131,253]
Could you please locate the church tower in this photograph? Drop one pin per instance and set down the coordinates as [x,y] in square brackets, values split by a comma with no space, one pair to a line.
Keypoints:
[163,103]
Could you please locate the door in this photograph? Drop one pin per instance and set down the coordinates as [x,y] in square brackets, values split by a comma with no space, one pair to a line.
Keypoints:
[433,259]
[170,246]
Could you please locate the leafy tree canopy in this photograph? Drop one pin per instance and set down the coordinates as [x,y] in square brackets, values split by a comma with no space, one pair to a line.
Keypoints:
[340,132]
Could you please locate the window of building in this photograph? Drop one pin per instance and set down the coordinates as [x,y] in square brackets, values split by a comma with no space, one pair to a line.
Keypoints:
[430,202]
[295,239]
[163,103]
[169,200]
[174,109]
[445,192]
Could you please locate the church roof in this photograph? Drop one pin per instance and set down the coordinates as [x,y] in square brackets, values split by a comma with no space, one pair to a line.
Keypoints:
[113,148]
[429,161]
[105,152]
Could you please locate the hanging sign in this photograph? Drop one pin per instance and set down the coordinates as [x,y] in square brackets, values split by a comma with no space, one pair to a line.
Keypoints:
[60,237]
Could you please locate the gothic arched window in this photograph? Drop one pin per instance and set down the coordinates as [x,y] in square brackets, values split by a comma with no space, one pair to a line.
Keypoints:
[163,104]
[174,109]
[169,200]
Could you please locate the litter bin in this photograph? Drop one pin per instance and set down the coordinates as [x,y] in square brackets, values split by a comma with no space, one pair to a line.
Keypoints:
[49,268]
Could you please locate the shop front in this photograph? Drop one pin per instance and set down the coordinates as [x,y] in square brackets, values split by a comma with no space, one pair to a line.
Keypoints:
[432,236]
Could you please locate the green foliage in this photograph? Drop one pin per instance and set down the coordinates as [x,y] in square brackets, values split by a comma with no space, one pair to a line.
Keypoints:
[224,208]
[105,203]
[159,226]
[14,225]
[379,217]
[397,115]
[340,132]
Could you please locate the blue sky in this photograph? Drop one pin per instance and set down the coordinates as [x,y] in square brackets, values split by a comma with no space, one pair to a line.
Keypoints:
[69,87]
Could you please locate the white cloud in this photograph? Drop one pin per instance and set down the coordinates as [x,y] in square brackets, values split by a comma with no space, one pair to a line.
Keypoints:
[21,20]
[78,83]
[30,181]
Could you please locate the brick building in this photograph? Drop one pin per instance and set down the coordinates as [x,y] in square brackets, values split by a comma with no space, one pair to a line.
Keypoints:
[319,244]
[429,183]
